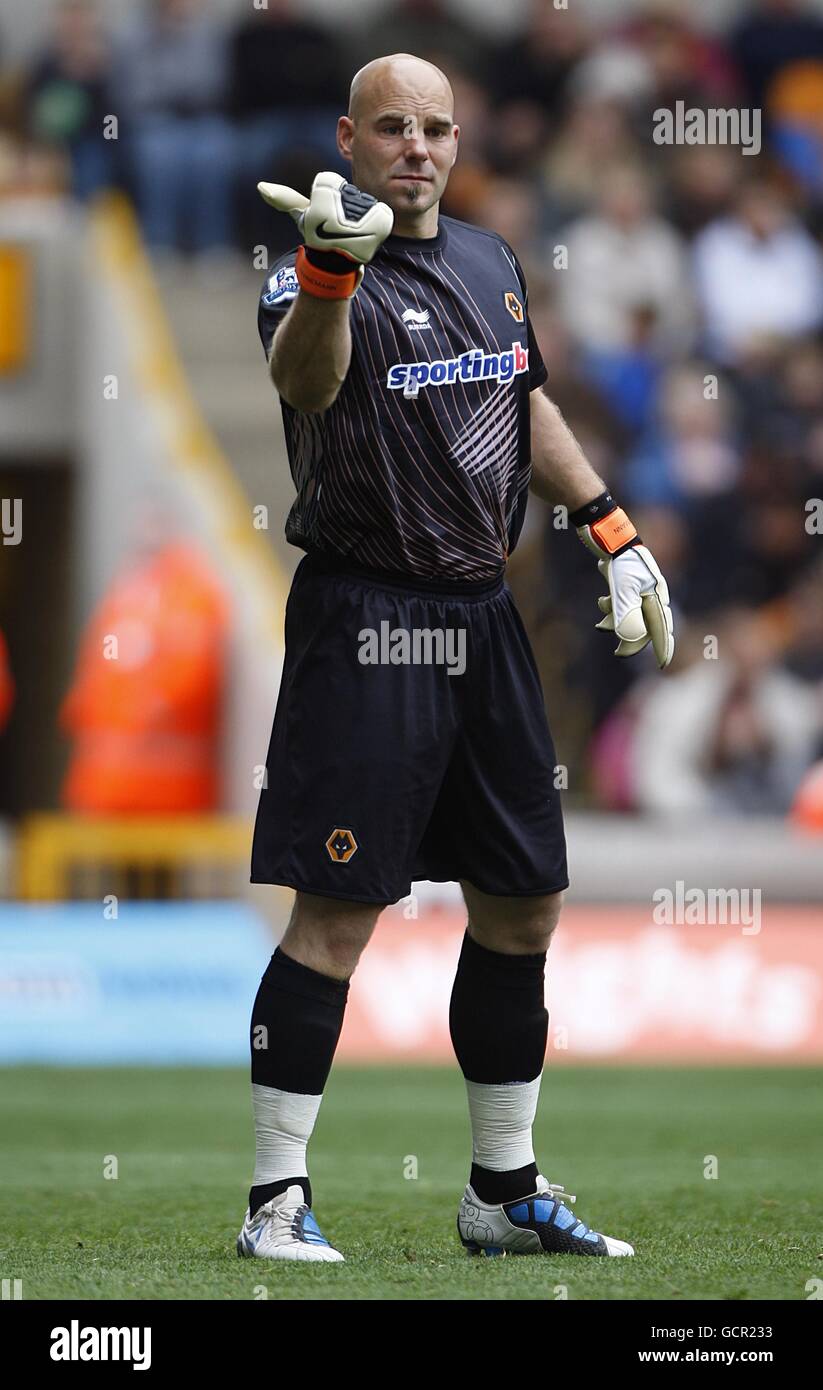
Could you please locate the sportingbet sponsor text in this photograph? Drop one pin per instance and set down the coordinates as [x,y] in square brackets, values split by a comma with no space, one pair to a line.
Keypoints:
[472,365]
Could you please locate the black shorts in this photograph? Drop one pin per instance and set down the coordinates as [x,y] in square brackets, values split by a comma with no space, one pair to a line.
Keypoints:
[402,750]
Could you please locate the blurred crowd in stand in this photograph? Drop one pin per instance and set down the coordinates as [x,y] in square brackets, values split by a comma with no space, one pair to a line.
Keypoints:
[676,291]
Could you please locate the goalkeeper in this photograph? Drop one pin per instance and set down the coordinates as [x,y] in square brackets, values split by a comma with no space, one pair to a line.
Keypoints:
[411,389]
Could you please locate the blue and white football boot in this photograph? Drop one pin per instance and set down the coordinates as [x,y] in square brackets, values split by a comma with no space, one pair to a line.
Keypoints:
[540,1224]
[284,1228]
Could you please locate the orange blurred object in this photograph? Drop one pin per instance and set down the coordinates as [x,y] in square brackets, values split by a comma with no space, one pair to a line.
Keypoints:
[807,808]
[796,94]
[144,708]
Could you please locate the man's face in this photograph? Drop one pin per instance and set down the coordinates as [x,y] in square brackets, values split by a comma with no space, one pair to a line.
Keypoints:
[402,143]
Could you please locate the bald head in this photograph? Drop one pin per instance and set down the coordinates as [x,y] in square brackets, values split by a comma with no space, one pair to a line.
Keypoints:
[400,138]
[398,72]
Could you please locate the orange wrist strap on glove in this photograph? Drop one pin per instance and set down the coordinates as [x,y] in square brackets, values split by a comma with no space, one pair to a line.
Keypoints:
[326,274]
[636,608]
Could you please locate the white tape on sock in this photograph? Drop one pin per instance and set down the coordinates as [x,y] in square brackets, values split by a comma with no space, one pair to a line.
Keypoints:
[502,1118]
[283,1124]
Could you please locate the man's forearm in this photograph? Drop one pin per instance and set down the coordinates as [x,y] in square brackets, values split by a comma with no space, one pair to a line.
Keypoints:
[561,472]
[311,352]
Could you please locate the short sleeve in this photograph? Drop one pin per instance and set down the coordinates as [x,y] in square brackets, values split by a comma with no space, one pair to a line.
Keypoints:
[278,294]
[538,372]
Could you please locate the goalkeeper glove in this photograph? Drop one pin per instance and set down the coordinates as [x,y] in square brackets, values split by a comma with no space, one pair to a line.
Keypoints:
[343,228]
[636,608]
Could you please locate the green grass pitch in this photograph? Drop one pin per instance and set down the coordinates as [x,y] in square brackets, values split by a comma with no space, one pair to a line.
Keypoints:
[631,1142]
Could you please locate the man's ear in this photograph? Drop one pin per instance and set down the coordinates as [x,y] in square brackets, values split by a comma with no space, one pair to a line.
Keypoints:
[345,131]
[456,144]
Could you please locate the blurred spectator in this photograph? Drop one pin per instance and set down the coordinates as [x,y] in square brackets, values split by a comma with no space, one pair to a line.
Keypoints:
[729,735]
[798,619]
[770,35]
[287,88]
[775,546]
[615,72]
[170,83]
[684,64]
[528,85]
[690,452]
[702,185]
[66,96]
[625,294]
[511,207]
[781,399]
[596,135]
[688,464]
[800,401]
[428,28]
[758,273]
[627,279]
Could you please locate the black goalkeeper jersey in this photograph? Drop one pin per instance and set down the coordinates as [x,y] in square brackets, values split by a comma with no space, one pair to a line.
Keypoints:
[422,464]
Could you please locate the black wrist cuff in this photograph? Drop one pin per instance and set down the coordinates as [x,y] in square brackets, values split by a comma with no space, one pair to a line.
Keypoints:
[594,510]
[330,261]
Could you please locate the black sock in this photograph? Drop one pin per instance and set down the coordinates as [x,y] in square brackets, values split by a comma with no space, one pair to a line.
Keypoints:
[267,1190]
[295,1026]
[503,1187]
[497,1018]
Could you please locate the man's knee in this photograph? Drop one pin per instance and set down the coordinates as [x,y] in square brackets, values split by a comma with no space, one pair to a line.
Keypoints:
[329,934]
[520,926]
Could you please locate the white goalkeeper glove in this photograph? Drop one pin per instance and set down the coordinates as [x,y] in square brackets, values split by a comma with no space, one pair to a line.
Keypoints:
[343,229]
[636,608]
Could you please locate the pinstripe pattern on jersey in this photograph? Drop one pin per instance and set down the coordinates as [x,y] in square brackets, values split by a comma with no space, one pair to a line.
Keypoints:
[433,484]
